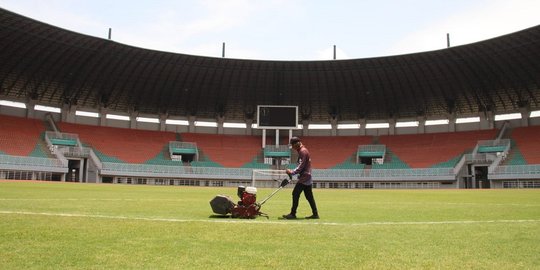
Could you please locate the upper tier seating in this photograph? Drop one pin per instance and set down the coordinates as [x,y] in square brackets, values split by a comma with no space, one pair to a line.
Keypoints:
[427,150]
[19,136]
[526,140]
[127,145]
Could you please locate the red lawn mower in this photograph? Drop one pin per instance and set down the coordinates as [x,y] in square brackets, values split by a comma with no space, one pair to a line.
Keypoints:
[247,207]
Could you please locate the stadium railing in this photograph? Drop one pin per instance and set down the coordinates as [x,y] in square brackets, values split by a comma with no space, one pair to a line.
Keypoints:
[23,163]
[8,162]
[125,169]
[386,174]
[516,172]
[128,169]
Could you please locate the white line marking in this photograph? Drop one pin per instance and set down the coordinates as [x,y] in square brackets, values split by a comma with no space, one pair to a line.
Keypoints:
[177,200]
[283,222]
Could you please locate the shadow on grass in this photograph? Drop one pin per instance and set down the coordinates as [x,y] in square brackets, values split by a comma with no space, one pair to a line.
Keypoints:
[220,216]
[292,219]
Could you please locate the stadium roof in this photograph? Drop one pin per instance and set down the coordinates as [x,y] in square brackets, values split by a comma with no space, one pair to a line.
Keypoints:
[55,66]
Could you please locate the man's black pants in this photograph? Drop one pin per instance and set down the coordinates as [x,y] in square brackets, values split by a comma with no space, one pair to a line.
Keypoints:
[298,188]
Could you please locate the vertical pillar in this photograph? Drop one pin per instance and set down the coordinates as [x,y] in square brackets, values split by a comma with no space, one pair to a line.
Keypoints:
[264,138]
[249,130]
[103,116]
[487,120]
[162,119]
[65,112]
[133,119]
[30,112]
[191,121]
[305,125]
[220,121]
[451,122]
[524,116]
[392,126]
[68,113]
[333,123]
[421,124]
[362,130]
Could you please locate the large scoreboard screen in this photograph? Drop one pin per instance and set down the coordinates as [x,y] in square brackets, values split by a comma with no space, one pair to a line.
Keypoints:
[277,117]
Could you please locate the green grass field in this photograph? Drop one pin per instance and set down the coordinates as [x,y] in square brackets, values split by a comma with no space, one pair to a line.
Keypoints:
[100,226]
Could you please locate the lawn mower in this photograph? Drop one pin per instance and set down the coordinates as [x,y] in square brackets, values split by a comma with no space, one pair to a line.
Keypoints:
[247,207]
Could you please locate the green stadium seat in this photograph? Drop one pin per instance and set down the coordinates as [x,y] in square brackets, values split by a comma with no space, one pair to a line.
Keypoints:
[491,149]
[64,142]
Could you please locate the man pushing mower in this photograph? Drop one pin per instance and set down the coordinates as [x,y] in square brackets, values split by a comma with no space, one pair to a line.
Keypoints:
[248,207]
[305,181]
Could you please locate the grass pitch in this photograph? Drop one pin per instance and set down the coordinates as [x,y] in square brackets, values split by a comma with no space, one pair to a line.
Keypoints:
[47,225]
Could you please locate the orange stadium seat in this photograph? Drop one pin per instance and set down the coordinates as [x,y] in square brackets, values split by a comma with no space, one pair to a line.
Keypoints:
[227,150]
[127,145]
[19,136]
[427,150]
[526,139]
[328,151]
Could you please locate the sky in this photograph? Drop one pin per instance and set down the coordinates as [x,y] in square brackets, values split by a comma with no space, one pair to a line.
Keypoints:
[291,30]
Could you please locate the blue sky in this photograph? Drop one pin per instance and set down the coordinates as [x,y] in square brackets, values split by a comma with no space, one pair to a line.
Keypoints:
[286,29]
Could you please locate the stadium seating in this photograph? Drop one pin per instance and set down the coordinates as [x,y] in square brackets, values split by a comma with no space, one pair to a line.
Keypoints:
[329,151]
[526,141]
[428,150]
[21,136]
[514,155]
[391,161]
[121,144]
[226,150]
[350,163]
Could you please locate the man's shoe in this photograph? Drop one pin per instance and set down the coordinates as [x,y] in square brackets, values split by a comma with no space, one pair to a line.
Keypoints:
[313,217]
[289,216]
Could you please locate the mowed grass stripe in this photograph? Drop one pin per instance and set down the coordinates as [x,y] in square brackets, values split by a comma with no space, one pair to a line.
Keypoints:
[259,221]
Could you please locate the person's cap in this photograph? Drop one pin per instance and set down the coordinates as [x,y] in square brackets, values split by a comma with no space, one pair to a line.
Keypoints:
[294,140]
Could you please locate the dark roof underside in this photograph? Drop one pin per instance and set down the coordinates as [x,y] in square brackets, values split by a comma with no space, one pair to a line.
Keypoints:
[55,66]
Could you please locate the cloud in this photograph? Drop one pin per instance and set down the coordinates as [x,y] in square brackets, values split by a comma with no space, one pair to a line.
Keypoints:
[200,30]
[285,29]
[476,24]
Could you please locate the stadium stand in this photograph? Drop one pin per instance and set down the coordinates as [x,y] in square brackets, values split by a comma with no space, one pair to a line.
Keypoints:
[527,143]
[427,150]
[21,136]
[121,144]
[499,75]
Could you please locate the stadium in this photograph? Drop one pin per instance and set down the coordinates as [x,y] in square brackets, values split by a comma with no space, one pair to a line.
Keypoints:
[425,120]
[110,154]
